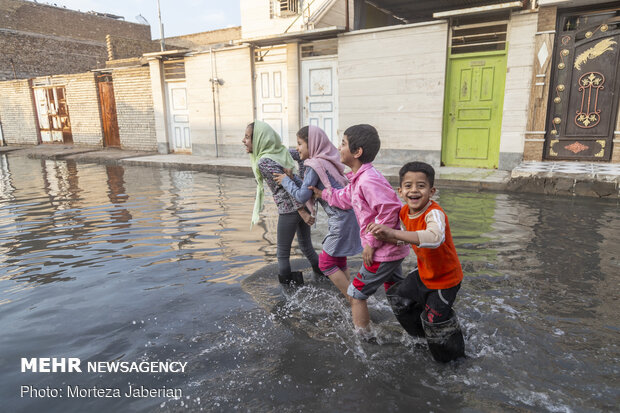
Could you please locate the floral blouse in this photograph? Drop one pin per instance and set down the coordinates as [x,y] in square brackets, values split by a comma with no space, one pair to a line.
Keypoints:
[284,201]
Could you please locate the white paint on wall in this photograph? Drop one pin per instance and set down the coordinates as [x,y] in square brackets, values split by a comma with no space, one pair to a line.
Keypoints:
[394,79]
[519,67]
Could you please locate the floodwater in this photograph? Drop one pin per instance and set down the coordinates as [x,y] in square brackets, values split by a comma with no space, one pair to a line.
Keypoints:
[110,263]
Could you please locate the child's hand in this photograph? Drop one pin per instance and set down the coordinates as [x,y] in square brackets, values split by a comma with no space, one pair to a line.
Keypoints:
[278,178]
[317,192]
[306,216]
[380,232]
[367,255]
[288,172]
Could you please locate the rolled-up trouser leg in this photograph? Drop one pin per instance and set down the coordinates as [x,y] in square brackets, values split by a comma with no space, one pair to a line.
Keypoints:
[445,339]
[406,310]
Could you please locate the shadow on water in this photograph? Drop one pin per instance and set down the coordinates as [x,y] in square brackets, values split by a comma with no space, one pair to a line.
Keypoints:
[143,264]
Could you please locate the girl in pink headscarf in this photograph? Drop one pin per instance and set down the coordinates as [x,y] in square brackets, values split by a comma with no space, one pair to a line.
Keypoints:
[324,170]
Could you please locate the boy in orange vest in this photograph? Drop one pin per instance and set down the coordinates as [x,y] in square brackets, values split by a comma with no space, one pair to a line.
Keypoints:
[423,301]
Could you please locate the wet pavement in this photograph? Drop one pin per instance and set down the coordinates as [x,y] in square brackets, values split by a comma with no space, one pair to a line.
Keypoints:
[601,180]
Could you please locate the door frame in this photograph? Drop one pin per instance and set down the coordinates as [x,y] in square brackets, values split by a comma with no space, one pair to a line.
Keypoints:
[169,116]
[111,132]
[446,108]
[258,66]
[556,122]
[304,119]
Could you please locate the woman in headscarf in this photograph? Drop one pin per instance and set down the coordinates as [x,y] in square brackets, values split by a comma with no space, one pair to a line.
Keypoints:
[269,156]
[324,170]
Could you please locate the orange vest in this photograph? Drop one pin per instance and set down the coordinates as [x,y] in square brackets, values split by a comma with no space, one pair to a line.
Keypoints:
[439,267]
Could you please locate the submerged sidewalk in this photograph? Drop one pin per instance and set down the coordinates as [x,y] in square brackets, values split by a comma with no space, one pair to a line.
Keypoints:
[600,180]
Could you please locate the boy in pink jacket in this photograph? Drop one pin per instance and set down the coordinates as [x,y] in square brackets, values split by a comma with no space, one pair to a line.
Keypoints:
[374,201]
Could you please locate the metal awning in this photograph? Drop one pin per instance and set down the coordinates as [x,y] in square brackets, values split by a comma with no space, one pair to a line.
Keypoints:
[413,11]
[167,53]
[308,35]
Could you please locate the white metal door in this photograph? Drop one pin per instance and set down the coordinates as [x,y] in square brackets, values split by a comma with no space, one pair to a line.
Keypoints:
[178,116]
[320,95]
[271,106]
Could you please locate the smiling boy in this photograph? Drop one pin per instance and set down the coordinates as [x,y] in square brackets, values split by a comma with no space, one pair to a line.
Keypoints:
[429,290]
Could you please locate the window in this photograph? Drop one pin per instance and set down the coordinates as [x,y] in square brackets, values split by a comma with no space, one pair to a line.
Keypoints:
[283,8]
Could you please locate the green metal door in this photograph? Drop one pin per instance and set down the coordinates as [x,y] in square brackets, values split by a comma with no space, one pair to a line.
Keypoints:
[473,111]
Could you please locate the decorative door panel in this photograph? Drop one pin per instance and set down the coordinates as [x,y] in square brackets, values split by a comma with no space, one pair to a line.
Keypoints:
[320,95]
[178,117]
[585,85]
[271,92]
[473,118]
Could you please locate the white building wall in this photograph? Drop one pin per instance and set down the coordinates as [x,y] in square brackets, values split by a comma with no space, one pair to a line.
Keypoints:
[394,79]
[256,22]
[234,100]
[519,67]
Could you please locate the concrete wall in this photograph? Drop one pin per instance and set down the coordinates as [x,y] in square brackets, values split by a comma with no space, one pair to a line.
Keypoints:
[394,79]
[17,113]
[255,20]
[335,15]
[134,108]
[234,102]
[519,67]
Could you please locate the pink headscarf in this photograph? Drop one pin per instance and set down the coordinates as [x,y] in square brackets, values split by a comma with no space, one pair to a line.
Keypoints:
[323,157]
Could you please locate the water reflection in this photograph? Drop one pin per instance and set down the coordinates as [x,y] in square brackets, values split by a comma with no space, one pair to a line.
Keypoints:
[152,261]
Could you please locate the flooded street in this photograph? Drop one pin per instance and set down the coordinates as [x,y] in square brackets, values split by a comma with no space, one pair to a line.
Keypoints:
[111,263]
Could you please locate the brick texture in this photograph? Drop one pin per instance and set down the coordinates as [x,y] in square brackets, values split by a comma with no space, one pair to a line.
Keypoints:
[134,108]
[39,39]
[17,113]
[82,99]
[40,18]
[124,48]
[29,55]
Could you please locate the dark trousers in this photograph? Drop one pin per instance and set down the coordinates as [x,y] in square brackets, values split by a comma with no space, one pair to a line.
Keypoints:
[289,225]
[436,304]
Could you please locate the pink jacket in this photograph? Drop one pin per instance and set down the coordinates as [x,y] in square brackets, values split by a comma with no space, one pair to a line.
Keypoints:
[373,200]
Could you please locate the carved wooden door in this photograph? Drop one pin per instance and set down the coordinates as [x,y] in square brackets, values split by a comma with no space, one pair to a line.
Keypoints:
[585,85]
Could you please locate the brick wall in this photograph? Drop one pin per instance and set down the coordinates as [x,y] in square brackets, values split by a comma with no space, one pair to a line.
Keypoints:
[17,113]
[204,38]
[33,17]
[134,108]
[124,48]
[38,39]
[83,103]
[35,55]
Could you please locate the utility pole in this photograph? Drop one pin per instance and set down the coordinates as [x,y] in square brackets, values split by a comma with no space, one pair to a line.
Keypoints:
[161,28]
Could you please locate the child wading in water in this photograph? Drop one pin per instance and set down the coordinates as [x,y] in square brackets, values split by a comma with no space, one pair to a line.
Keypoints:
[423,302]
[324,170]
[374,201]
[269,156]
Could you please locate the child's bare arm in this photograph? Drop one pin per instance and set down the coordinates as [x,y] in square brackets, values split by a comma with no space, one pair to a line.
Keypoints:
[391,235]
[306,216]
